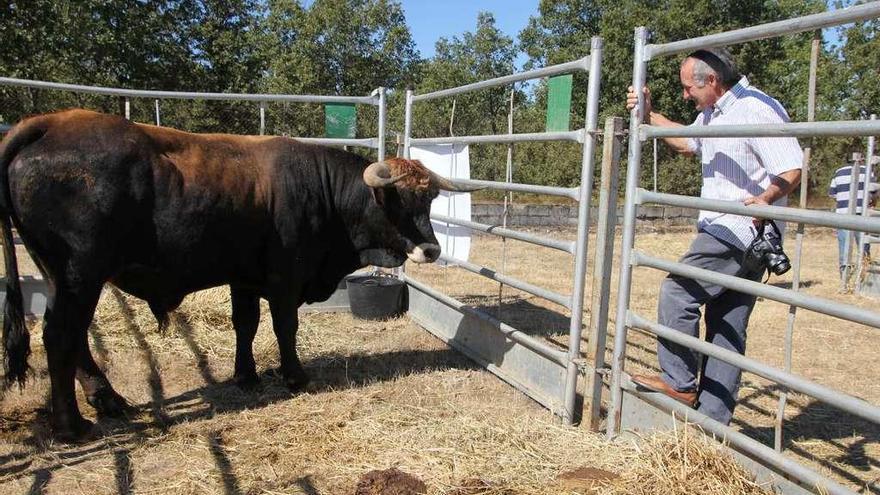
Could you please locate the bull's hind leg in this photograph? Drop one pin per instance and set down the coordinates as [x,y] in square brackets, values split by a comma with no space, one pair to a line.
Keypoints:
[99,393]
[245,320]
[285,322]
[68,316]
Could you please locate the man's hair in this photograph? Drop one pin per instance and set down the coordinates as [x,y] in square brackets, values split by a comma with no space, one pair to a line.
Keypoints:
[716,61]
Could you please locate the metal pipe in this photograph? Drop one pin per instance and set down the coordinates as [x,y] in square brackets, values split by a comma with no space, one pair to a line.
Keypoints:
[832,308]
[788,468]
[178,95]
[156,101]
[583,237]
[844,402]
[382,117]
[869,178]
[407,123]
[566,192]
[516,283]
[512,333]
[363,142]
[769,30]
[567,246]
[505,138]
[577,65]
[624,286]
[822,218]
[601,289]
[799,240]
[262,118]
[127,109]
[797,129]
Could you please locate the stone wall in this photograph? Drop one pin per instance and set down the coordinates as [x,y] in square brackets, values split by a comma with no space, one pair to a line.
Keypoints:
[554,215]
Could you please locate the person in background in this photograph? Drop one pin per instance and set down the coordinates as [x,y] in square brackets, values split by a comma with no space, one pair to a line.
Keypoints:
[840,191]
[760,171]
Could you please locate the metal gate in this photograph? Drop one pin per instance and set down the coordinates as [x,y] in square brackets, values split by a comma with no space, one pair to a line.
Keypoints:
[628,404]
[545,373]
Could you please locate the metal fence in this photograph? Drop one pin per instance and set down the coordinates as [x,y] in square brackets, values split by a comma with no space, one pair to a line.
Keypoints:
[377,98]
[621,386]
[544,372]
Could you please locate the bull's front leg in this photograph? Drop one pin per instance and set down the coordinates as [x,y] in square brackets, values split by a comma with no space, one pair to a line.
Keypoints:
[245,320]
[285,322]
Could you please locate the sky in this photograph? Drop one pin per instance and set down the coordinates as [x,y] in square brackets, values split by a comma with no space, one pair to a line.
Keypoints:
[429,20]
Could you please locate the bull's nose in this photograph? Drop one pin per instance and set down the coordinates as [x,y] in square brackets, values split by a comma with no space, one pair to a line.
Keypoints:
[424,253]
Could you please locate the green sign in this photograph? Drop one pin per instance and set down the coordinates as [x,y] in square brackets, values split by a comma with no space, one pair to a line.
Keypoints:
[558,103]
[340,120]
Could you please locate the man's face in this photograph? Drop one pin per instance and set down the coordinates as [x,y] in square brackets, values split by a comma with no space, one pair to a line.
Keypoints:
[703,97]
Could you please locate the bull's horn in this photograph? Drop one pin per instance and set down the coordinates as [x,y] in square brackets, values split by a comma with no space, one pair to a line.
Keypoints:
[447,185]
[379,175]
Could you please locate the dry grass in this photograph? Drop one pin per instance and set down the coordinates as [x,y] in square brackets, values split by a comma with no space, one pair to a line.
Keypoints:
[386,394]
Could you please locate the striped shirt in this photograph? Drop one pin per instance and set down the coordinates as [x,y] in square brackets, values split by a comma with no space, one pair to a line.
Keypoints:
[735,169]
[839,189]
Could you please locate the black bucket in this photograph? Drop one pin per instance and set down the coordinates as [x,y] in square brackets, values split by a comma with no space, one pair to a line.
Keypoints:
[373,297]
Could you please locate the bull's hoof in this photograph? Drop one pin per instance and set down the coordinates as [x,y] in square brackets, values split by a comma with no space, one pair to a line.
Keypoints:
[296,382]
[108,403]
[248,382]
[73,431]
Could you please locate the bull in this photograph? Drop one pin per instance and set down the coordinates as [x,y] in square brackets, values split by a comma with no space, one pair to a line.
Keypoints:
[161,213]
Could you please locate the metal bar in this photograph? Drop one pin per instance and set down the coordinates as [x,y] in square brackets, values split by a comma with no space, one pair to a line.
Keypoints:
[512,333]
[813,303]
[363,142]
[382,117]
[566,192]
[178,95]
[769,30]
[624,285]
[869,174]
[262,118]
[799,240]
[577,65]
[844,402]
[797,129]
[788,468]
[516,283]
[822,218]
[127,109]
[602,270]
[407,123]
[505,138]
[583,237]
[508,178]
[567,246]
[158,122]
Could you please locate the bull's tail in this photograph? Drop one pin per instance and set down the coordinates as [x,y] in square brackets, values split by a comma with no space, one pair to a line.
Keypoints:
[16,339]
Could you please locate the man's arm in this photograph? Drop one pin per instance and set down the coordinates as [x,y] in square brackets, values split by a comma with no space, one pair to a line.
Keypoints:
[679,144]
[780,186]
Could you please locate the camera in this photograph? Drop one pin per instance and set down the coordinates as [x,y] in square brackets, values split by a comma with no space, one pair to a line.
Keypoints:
[765,252]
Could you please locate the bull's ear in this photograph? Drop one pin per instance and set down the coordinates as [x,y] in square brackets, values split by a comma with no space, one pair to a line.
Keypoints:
[378,195]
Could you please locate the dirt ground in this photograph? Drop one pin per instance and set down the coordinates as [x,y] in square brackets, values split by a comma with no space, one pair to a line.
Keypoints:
[388,395]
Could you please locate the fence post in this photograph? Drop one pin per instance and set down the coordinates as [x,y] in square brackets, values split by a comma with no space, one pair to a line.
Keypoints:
[601,289]
[580,258]
[640,69]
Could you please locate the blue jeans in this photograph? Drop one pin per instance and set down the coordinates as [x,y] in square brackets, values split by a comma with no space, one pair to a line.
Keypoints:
[841,246]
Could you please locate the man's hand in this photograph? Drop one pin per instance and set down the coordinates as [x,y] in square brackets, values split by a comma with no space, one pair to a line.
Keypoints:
[756,200]
[632,99]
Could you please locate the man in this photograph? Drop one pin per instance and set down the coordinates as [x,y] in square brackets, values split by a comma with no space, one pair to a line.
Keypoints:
[759,171]
[840,191]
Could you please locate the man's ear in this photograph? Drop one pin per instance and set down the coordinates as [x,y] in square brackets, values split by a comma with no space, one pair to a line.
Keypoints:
[378,195]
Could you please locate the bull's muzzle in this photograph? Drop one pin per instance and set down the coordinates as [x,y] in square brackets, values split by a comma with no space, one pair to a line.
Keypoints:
[424,253]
